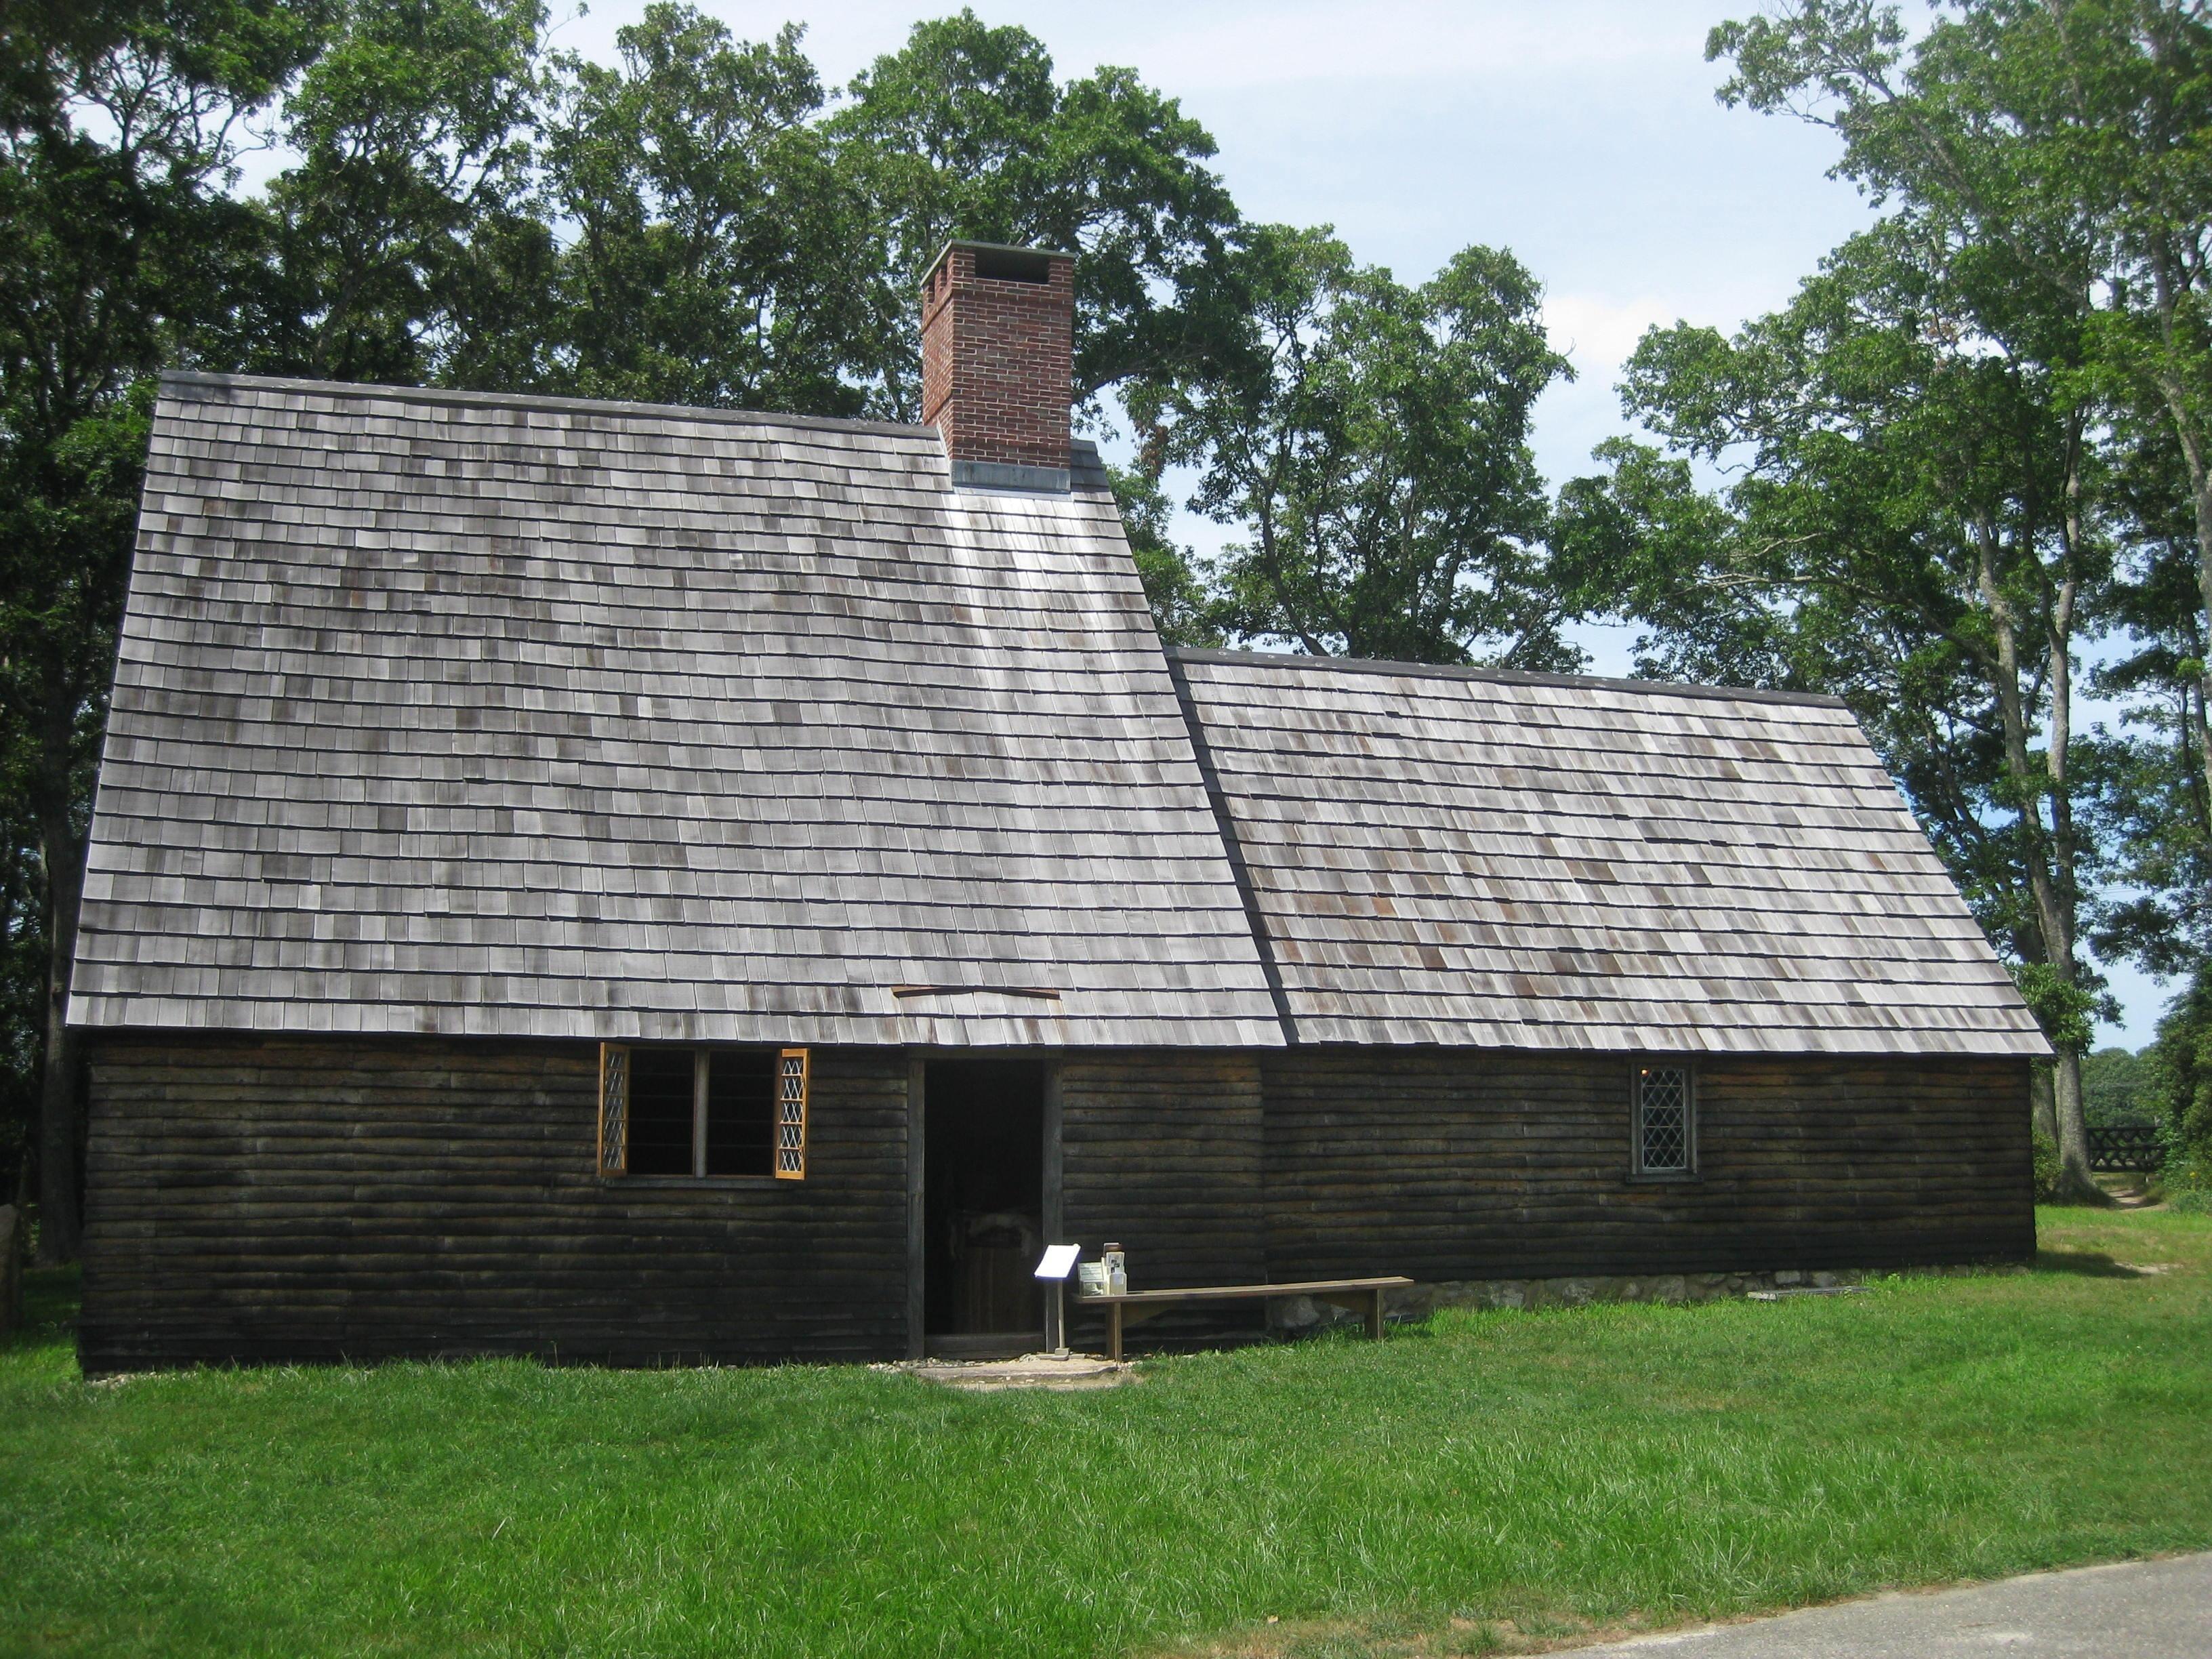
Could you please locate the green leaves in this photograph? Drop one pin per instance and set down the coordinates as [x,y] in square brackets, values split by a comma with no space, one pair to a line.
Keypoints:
[694,222]
[720,256]
[1371,441]
[1643,540]
[121,121]
[2060,152]
[2181,1084]
[1919,522]
[966,133]
[2067,1011]
[1176,584]
[409,129]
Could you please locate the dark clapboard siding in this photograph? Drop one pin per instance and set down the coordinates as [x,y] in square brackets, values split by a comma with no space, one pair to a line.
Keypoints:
[1448,1164]
[1162,1153]
[302,1198]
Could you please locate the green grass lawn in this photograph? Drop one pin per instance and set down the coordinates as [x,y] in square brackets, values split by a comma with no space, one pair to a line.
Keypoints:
[1482,1479]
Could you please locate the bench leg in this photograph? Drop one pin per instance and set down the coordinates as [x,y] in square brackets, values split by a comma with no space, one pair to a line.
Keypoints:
[1114,1332]
[1374,1317]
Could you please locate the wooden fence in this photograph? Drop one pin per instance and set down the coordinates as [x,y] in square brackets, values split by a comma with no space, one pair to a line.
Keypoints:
[2126,1146]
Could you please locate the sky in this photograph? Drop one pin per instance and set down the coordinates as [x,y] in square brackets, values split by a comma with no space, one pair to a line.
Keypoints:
[1584,134]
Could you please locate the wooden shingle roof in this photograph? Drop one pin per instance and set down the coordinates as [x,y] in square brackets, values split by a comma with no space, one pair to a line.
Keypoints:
[1452,856]
[445,713]
[442,713]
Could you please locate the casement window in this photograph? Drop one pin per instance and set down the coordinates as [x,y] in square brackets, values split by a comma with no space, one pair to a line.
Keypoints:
[1664,1141]
[791,1081]
[702,1112]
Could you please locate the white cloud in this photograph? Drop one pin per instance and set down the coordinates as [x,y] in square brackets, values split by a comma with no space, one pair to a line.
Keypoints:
[1596,333]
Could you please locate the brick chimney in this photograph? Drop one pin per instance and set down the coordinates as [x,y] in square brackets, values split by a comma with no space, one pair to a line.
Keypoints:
[998,341]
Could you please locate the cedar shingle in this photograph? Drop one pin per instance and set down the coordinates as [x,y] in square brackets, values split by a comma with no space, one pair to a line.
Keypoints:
[1451,856]
[438,713]
[443,713]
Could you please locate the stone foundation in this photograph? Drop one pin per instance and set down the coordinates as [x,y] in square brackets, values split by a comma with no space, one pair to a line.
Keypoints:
[1301,1313]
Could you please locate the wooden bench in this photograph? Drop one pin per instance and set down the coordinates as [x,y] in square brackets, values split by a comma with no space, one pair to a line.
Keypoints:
[1133,1307]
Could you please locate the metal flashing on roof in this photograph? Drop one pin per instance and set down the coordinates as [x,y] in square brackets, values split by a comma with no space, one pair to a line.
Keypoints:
[1016,480]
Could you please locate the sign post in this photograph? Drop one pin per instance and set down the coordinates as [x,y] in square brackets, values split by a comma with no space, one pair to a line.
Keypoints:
[1059,1261]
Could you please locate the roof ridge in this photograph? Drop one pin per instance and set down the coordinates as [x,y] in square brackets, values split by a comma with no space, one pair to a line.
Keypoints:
[1500,675]
[182,378]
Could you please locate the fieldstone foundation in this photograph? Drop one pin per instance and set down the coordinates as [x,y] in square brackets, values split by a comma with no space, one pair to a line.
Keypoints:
[1302,1313]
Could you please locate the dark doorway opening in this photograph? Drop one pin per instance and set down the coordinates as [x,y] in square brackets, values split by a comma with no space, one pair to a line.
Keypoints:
[982,1205]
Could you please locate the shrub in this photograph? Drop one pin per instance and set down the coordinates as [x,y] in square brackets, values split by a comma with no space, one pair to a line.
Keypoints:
[2181,1072]
[2117,1088]
[2046,1168]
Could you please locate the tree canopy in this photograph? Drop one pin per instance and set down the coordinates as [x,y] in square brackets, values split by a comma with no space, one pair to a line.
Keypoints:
[2044,165]
[1372,442]
[1962,478]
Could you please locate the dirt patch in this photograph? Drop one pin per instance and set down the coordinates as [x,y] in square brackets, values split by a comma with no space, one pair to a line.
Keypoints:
[2127,1189]
[1067,1373]
[1391,1638]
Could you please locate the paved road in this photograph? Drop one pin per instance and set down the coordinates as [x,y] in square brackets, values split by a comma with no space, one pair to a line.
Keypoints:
[2134,1610]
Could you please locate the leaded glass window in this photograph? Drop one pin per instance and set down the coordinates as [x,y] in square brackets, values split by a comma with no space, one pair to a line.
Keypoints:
[613,1108]
[703,1114]
[791,1115]
[1665,1125]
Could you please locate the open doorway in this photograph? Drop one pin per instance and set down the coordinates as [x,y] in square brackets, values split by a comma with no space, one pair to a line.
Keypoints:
[983,1205]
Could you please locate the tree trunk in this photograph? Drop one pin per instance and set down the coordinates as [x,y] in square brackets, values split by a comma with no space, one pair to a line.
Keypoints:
[61,1227]
[2051,890]
[2196,734]
[2075,1184]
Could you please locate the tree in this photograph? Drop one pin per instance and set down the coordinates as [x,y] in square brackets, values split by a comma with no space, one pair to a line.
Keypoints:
[410,126]
[1175,585]
[2150,805]
[1371,441]
[2069,135]
[2180,1085]
[688,224]
[1917,526]
[2115,1088]
[23,965]
[966,133]
[719,257]
[121,119]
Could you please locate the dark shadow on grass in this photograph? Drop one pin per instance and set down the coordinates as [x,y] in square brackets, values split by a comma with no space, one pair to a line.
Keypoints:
[49,1305]
[2089,1264]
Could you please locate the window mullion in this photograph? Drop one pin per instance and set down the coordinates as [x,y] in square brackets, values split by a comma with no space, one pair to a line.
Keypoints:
[699,1063]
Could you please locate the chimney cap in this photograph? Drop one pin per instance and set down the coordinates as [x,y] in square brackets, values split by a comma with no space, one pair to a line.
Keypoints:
[973,247]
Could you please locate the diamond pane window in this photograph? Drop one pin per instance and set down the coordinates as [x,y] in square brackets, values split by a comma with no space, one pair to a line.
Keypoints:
[1662,1119]
[613,1108]
[702,1114]
[791,1115]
